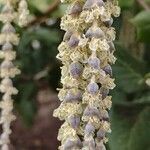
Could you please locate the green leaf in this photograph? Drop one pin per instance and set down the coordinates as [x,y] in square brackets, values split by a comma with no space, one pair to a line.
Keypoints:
[41,57]
[142,19]
[122,99]
[119,96]
[45,35]
[128,71]
[25,102]
[41,5]
[142,22]
[143,34]
[60,11]
[144,99]
[126,3]
[130,128]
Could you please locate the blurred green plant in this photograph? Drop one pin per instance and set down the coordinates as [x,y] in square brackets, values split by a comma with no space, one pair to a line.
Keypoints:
[131,99]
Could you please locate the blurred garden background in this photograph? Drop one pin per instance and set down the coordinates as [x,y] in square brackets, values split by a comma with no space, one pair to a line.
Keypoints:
[35,127]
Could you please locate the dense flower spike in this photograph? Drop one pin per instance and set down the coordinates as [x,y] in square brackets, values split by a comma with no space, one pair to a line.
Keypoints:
[8,70]
[87,54]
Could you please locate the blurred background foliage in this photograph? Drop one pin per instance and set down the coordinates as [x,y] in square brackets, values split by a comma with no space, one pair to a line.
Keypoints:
[130,114]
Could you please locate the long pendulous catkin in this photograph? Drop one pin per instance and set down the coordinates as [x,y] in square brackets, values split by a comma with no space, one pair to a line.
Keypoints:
[8,39]
[87,52]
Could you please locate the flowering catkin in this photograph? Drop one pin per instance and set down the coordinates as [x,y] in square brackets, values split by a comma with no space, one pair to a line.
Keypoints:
[86,53]
[8,38]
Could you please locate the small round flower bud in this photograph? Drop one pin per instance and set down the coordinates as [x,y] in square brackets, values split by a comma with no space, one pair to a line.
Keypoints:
[108,70]
[89,129]
[93,88]
[94,62]
[68,144]
[79,144]
[105,115]
[91,111]
[92,3]
[74,41]
[8,28]
[100,146]
[76,9]
[76,69]
[73,96]
[89,144]
[104,92]
[74,121]
[67,36]
[94,32]
[7,82]
[101,134]
[7,9]
[7,65]
[109,23]
[112,46]
[7,46]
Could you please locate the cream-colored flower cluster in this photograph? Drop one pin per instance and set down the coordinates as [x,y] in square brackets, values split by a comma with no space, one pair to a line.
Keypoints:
[23,13]
[8,38]
[87,54]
